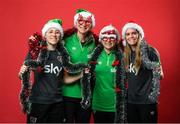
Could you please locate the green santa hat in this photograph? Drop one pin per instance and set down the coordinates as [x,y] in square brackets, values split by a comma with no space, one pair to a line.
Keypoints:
[54,23]
[109,31]
[133,26]
[85,14]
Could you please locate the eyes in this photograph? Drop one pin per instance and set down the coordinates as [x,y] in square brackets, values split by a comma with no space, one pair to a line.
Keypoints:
[57,31]
[131,33]
[108,39]
[53,31]
[86,22]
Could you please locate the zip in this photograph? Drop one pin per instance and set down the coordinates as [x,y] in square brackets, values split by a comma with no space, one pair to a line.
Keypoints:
[82,49]
[108,58]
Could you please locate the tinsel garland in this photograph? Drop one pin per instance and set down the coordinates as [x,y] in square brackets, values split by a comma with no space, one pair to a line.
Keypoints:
[121,91]
[25,92]
[35,46]
[154,66]
[64,58]
[86,91]
[39,54]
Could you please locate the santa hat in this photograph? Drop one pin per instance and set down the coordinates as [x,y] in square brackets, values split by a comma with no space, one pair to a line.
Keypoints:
[54,23]
[85,14]
[133,26]
[109,31]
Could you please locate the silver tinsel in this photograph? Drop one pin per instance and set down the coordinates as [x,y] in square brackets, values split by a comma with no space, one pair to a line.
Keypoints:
[86,91]
[154,66]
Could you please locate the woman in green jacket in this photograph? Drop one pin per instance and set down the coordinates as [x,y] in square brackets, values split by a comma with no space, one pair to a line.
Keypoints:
[107,79]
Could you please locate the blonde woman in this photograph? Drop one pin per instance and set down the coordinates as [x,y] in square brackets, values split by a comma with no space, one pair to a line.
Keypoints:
[143,67]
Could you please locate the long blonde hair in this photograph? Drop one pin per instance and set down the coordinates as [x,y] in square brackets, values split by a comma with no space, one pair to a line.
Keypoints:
[127,53]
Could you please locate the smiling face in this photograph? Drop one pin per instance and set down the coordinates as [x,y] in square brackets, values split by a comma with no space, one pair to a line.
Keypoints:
[52,36]
[84,25]
[108,43]
[132,36]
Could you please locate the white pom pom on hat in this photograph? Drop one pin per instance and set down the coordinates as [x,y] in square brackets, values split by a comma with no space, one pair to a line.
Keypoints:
[84,13]
[109,30]
[54,23]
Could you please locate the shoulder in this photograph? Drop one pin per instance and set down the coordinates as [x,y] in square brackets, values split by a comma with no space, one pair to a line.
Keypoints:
[69,37]
[153,50]
[97,51]
[153,53]
[69,32]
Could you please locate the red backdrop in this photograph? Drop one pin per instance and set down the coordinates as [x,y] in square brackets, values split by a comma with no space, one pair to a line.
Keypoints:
[20,18]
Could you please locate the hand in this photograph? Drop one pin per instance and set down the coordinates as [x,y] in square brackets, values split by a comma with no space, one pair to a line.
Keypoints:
[86,70]
[23,69]
[81,74]
[32,38]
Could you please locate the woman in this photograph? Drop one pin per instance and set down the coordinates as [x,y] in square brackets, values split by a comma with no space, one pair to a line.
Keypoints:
[107,79]
[142,63]
[46,101]
[79,42]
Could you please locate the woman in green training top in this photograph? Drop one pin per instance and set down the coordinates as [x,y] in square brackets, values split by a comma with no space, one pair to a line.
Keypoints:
[79,42]
[107,79]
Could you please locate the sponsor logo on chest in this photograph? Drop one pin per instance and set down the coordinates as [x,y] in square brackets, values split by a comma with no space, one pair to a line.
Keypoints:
[52,69]
[132,69]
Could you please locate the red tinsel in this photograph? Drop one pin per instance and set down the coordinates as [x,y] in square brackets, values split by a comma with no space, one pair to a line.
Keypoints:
[36,45]
[118,89]
[115,63]
[93,62]
[39,69]
[126,85]
[26,92]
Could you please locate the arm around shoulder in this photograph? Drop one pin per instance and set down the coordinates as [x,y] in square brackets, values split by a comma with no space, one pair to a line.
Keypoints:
[68,79]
